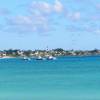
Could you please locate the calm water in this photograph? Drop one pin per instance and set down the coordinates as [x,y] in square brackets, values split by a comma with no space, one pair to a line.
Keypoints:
[67,78]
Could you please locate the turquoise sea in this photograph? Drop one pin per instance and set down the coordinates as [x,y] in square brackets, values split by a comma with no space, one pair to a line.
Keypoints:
[67,78]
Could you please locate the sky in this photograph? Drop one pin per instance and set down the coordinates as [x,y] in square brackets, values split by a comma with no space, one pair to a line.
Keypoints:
[36,24]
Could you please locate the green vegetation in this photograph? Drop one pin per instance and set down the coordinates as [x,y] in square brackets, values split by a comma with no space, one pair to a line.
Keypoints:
[53,52]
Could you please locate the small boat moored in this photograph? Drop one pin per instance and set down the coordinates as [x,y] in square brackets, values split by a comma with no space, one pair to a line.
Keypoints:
[26,58]
[51,58]
[40,58]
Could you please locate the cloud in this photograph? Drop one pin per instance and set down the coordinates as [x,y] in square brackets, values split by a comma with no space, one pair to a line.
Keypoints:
[58,6]
[97,31]
[45,7]
[40,7]
[4,12]
[74,15]
[75,28]
[37,21]
[83,28]
[42,17]
[20,24]
[27,24]
[91,29]
[77,15]
[20,20]
[95,17]
[98,6]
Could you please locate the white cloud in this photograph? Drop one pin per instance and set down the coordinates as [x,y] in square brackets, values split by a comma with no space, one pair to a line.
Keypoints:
[28,24]
[36,21]
[74,15]
[77,15]
[40,7]
[45,7]
[20,20]
[41,18]
[58,7]
[20,24]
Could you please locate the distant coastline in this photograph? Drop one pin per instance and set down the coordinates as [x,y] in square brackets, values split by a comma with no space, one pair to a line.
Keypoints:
[54,52]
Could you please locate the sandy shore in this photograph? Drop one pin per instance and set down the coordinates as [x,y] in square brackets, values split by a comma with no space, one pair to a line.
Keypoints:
[6,57]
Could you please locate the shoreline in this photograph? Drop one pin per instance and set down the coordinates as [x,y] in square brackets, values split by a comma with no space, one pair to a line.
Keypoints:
[10,57]
[7,57]
[17,53]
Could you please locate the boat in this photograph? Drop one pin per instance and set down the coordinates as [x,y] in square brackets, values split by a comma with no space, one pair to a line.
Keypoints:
[40,58]
[51,58]
[26,58]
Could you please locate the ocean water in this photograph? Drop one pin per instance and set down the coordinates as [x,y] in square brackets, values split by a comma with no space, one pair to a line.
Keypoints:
[67,78]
